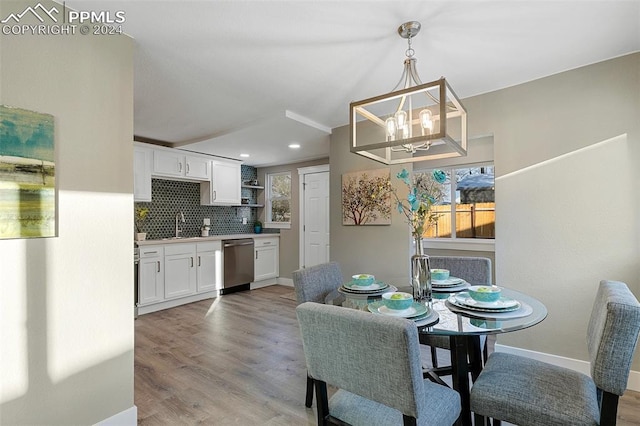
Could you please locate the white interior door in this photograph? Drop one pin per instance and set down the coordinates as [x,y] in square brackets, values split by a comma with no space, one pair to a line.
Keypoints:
[316,219]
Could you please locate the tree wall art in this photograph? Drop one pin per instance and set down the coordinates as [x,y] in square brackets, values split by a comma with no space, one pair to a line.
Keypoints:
[366,197]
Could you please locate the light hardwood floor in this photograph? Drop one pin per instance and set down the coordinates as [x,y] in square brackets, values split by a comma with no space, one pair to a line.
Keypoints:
[235,360]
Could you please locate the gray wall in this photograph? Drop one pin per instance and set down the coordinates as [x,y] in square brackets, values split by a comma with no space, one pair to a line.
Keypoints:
[66,310]
[570,141]
[566,155]
[379,250]
[289,238]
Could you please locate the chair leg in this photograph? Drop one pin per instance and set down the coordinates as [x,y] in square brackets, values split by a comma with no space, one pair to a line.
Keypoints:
[322,402]
[434,357]
[309,399]
[608,408]
[408,420]
[479,420]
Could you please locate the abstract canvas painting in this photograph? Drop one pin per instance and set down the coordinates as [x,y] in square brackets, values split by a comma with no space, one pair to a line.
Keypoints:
[366,198]
[27,174]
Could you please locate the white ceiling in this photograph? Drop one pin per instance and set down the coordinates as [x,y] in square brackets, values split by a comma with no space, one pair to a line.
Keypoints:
[225,77]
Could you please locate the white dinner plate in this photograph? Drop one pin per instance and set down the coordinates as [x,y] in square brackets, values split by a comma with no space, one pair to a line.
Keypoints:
[427,320]
[365,293]
[463,300]
[451,289]
[523,311]
[415,310]
[378,285]
[451,281]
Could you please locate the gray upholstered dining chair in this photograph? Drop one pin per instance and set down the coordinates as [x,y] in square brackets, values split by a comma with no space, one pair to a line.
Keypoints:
[524,391]
[374,361]
[474,270]
[313,284]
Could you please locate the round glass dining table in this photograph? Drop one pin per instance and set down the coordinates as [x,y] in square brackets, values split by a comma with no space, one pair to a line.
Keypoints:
[463,327]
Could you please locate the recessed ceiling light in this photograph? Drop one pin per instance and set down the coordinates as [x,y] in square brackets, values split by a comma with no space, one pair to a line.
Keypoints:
[294,145]
[244,155]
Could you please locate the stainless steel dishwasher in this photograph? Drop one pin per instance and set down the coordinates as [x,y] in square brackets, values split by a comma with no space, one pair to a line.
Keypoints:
[238,263]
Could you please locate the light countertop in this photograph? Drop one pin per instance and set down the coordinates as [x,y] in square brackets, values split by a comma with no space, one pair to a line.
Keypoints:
[202,239]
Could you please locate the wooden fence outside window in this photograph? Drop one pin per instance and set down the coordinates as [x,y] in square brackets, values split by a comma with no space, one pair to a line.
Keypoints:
[477,220]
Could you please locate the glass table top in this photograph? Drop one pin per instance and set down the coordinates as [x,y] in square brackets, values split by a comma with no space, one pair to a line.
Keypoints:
[453,319]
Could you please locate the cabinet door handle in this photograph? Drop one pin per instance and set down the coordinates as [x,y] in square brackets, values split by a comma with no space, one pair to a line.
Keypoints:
[199,261]
[158,266]
[187,168]
[180,167]
[192,261]
[215,195]
[266,243]
[256,255]
[150,252]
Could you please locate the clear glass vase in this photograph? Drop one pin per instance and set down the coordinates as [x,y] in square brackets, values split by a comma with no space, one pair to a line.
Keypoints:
[421,274]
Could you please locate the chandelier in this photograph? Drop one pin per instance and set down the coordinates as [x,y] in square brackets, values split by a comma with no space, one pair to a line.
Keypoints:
[414,122]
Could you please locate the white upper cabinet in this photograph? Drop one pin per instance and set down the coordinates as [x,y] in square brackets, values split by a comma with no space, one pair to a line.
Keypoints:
[142,163]
[219,179]
[176,164]
[198,168]
[224,188]
[168,163]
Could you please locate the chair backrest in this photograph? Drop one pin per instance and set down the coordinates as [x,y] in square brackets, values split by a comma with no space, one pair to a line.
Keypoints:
[612,335]
[312,284]
[374,356]
[474,270]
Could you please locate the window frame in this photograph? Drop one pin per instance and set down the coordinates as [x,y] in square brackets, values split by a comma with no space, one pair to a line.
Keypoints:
[457,243]
[269,223]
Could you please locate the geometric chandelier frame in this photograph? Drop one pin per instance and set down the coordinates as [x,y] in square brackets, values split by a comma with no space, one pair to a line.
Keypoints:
[416,123]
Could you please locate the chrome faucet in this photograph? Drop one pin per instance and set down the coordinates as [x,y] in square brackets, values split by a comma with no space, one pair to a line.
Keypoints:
[179,217]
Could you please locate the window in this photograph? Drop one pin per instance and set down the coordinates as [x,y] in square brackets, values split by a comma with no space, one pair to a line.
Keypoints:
[279,200]
[467,206]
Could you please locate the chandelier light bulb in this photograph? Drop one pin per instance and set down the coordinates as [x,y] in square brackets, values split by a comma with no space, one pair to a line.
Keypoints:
[426,121]
[391,128]
[401,119]
[406,134]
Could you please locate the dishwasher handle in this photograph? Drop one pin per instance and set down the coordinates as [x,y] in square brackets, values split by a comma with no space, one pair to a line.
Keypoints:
[238,243]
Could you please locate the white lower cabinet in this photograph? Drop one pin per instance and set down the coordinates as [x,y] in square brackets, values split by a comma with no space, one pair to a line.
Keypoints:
[175,274]
[151,275]
[209,266]
[180,270]
[266,260]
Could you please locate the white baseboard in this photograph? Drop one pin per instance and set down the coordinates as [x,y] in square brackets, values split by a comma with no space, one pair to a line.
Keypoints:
[128,417]
[264,283]
[285,281]
[172,303]
[573,364]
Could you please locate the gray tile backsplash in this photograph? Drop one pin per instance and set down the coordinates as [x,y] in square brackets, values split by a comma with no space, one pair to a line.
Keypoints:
[172,196]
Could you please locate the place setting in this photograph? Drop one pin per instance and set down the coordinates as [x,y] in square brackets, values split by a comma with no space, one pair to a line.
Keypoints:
[365,284]
[487,301]
[442,282]
[402,305]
